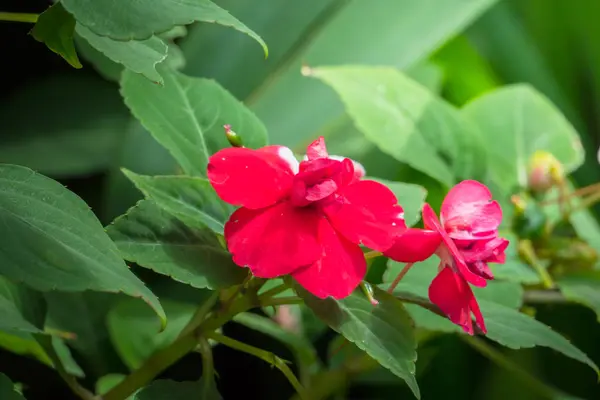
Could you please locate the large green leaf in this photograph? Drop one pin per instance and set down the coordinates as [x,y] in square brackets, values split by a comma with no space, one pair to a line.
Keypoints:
[153,238]
[190,199]
[7,389]
[584,288]
[142,18]
[187,116]
[384,331]
[164,389]
[52,240]
[55,27]
[515,121]
[23,310]
[410,197]
[71,134]
[134,330]
[140,56]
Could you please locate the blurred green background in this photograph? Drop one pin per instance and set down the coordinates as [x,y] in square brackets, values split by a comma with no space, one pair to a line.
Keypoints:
[72,125]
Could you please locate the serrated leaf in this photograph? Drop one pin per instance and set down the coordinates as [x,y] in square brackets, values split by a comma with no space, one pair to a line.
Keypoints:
[52,240]
[165,389]
[516,330]
[154,239]
[140,56]
[142,18]
[384,331]
[187,116]
[411,197]
[134,330]
[23,310]
[55,27]
[584,288]
[7,389]
[517,120]
[190,199]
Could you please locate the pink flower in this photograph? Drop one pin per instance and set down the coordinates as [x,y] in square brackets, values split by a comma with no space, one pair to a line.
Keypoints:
[465,238]
[303,219]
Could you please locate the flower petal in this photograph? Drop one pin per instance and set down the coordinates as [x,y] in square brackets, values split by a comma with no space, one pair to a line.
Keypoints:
[251,178]
[367,212]
[414,245]
[431,222]
[340,269]
[273,241]
[489,250]
[452,294]
[468,212]
[285,154]
[317,149]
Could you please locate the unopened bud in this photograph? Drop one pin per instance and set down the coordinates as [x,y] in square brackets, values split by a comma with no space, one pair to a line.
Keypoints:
[545,171]
[287,319]
[234,139]
[368,291]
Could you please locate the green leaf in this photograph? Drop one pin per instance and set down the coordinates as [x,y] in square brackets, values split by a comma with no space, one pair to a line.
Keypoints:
[584,288]
[187,116]
[411,197]
[134,330]
[140,56]
[52,241]
[55,27]
[66,358]
[142,18]
[384,331]
[7,389]
[26,345]
[152,238]
[71,134]
[165,389]
[516,121]
[107,382]
[516,330]
[190,199]
[23,310]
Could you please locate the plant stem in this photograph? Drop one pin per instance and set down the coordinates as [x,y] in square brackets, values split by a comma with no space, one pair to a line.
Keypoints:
[399,277]
[200,314]
[19,17]
[274,291]
[278,301]
[528,252]
[543,296]
[504,362]
[263,355]
[208,367]
[372,254]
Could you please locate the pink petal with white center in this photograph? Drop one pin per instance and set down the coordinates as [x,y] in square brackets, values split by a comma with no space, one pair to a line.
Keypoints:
[250,178]
[274,241]
[452,294]
[340,269]
[414,245]
[285,154]
[431,222]
[468,212]
[367,212]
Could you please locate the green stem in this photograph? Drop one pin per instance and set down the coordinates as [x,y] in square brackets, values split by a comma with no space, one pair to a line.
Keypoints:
[528,253]
[19,17]
[504,362]
[208,367]
[263,355]
[372,254]
[278,301]
[274,291]
[200,314]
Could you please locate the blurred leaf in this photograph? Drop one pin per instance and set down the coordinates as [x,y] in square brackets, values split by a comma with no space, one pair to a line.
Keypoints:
[190,199]
[107,382]
[7,389]
[91,335]
[164,389]
[134,329]
[55,27]
[140,56]
[516,121]
[143,18]
[384,331]
[23,310]
[516,330]
[584,288]
[71,134]
[66,358]
[152,238]
[187,116]
[52,240]
[513,269]
[24,344]
[410,197]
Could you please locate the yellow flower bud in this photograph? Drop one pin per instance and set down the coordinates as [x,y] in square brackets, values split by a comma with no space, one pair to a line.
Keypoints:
[545,171]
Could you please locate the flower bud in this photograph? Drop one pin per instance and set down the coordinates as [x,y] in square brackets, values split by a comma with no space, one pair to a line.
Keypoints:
[545,171]
[234,139]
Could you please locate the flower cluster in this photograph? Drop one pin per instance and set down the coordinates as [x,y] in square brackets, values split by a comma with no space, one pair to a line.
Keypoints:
[308,219]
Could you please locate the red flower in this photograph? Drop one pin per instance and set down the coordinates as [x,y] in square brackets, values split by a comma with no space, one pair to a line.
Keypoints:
[465,240]
[304,219]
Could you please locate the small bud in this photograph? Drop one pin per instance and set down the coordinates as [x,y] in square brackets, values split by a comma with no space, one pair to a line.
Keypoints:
[545,171]
[234,139]
[368,291]
[287,319]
